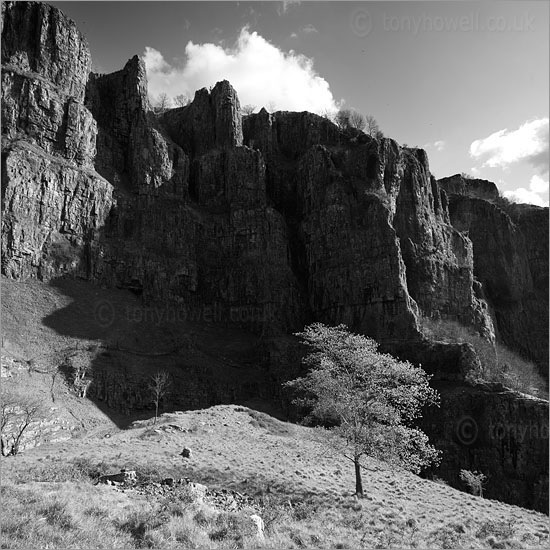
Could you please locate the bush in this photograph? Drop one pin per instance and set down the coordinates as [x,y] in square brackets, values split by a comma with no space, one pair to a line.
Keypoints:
[474,480]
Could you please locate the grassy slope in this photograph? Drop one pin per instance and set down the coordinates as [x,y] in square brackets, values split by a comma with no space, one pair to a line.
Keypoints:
[232,447]
[237,448]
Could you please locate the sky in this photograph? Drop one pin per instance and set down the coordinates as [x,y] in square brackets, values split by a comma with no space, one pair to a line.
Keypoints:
[466,81]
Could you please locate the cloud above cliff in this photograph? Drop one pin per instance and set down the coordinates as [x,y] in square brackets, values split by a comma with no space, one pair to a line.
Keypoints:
[262,74]
[526,146]
[529,143]
[536,194]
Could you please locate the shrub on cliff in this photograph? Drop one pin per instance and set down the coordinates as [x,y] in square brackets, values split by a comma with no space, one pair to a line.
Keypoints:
[373,398]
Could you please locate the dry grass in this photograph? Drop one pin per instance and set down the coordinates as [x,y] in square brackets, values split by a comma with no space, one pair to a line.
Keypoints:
[302,493]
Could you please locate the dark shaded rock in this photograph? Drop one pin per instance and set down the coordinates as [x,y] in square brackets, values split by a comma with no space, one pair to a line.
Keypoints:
[186,453]
[495,431]
[211,121]
[510,252]
[132,151]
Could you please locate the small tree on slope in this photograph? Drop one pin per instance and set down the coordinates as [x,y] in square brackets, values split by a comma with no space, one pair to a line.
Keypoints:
[159,386]
[372,397]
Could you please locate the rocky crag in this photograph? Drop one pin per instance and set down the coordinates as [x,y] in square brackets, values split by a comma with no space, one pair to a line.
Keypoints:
[271,221]
[510,244]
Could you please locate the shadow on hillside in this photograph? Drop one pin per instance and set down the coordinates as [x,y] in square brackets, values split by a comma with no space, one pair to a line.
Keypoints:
[126,343]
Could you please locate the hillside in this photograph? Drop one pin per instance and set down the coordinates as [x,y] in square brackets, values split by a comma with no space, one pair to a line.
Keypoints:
[272,462]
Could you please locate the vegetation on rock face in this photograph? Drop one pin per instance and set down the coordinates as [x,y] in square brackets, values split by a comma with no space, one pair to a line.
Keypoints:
[372,398]
[349,118]
[498,363]
[248,109]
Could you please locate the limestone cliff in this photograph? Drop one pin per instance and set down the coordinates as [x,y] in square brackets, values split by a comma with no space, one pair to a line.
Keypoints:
[498,432]
[272,221]
[510,252]
[53,202]
[303,221]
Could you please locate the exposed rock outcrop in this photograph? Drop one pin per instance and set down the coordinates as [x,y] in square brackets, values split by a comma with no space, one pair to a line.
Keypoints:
[309,222]
[132,151]
[53,203]
[510,253]
[498,432]
[39,39]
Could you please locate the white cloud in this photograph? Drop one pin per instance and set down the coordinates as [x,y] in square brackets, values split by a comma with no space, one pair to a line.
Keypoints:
[261,73]
[529,143]
[536,194]
[538,184]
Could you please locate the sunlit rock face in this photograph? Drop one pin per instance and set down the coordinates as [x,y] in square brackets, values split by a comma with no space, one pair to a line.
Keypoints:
[53,202]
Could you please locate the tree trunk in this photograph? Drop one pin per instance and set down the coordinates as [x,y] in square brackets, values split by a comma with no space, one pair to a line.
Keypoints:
[156,411]
[358,480]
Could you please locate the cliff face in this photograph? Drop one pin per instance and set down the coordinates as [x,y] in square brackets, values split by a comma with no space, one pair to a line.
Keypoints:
[53,202]
[500,433]
[373,244]
[271,221]
[287,215]
[510,244]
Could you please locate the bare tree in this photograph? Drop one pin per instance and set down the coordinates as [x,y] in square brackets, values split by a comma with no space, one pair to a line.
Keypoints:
[371,126]
[159,385]
[342,119]
[182,100]
[248,109]
[356,120]
[8,411]
[19,413]
[162,103]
